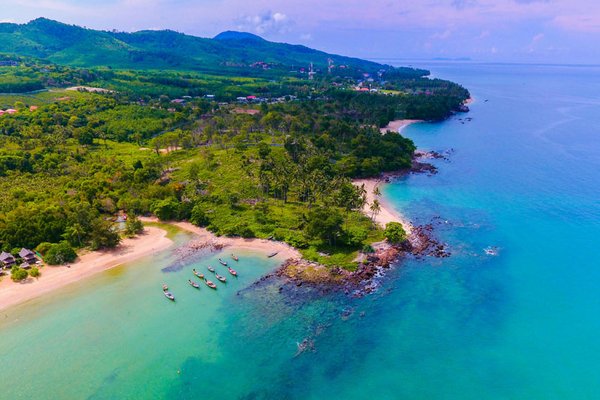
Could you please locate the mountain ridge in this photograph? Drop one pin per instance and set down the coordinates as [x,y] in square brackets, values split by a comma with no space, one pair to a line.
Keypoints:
[146,49]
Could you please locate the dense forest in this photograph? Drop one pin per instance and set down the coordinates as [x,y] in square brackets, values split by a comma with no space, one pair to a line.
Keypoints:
[275,163]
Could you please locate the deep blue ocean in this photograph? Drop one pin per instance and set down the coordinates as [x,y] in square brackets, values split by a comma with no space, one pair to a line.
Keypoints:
[523,176]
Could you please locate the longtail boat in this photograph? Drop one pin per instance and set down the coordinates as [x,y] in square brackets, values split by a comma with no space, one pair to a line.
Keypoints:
[211,269]
[222,262]
[198,274]
[236,258]
[232,271]
[210,284]
[169,296]
[221,278]
[194,284]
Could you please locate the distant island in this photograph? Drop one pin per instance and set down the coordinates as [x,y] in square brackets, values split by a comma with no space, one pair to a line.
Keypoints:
[241,136]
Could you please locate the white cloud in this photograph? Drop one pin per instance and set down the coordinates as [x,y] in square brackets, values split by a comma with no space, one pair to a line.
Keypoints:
[265,23]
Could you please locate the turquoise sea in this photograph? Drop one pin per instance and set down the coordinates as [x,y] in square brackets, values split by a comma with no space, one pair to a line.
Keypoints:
[523,176]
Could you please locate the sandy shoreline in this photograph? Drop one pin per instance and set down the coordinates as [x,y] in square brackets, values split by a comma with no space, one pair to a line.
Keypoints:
[283,250]
[54,277]
[399,124]
[153,240]
[387,213]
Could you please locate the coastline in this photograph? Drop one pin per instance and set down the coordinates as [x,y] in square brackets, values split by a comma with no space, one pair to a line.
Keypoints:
[399,125]
[209,239]
[55,277]
[153,240]
[388,213]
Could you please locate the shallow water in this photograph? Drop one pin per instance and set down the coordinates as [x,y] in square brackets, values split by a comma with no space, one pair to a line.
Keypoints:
[523,324]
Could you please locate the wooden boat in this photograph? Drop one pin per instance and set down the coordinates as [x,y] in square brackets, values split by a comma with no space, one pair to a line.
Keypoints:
[210,284]
[211,269]
[198,274]
[232,271]
[165,287]
[222,262]
[235,258]
[194,284]
[221,278]
[273,254]
[169,296]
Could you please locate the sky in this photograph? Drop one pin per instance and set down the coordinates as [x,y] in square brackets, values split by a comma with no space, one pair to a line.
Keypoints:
[537,31]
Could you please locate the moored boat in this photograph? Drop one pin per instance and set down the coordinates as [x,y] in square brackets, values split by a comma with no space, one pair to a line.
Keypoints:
[235,258]
[198,274]
[273,254]
[232,271]
[222,262]
[169,296]
[194,284]
[210,284]
[221,278]
[211,269]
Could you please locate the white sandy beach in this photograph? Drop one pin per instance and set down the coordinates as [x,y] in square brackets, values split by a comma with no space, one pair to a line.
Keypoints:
[151,241]
[388,213]
[284,251]
[399,125]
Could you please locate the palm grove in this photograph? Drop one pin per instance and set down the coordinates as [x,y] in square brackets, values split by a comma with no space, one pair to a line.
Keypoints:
[279,169]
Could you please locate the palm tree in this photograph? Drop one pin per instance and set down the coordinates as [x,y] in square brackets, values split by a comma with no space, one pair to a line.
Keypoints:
[375,209]
[376,191]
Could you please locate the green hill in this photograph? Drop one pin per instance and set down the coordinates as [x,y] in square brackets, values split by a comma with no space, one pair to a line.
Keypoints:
[73,45]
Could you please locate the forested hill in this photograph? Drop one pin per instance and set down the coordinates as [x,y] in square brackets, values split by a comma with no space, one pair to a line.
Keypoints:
[76,46]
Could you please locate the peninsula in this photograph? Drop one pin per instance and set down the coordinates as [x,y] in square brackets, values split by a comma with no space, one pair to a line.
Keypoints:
[273,149]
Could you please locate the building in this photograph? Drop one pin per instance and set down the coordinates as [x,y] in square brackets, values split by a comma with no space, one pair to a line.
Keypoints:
[7,259]
[28,256]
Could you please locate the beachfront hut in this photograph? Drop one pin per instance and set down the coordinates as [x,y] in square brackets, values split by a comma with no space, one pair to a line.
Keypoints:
[7,259]
[26,265]
[27,256]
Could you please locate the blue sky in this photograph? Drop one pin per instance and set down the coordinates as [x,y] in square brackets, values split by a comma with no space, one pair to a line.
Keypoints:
[559,31]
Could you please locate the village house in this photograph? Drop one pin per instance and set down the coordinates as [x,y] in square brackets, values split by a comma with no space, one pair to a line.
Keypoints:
[7,259]
[28,256]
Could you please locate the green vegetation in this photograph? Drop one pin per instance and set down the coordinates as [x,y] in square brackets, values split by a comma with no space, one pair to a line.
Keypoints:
[60,253]
[133,226]
[34,272]
[18,274]
[394,232]
[73,45]
[252,152]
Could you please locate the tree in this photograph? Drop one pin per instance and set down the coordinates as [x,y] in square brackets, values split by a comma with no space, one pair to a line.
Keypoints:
[375,209]
[199,216]
[74,234]
[60,253]
[103,235]
[263,150]
[324,223]
[133,226]
[18,274]
[394,232]
[166,209]
[34,272]
[376,191]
